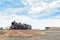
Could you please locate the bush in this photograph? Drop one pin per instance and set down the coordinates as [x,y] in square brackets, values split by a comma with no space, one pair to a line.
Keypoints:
[1,28]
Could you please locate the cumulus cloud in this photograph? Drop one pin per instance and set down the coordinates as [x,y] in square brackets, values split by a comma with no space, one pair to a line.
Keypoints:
[38,13]
[36,23]
[43,6]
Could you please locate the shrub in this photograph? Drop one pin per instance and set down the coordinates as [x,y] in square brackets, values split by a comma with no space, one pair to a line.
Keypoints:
[1,28]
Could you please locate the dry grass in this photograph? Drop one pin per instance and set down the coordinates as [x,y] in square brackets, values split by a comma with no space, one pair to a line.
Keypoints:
[29,35]
[19,33]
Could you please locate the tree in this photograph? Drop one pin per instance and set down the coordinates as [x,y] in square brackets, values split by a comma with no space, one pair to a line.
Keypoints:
[1,28]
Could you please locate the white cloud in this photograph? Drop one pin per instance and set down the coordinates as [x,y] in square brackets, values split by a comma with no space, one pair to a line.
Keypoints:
[39,24]
[38,6]
[36,9]
[36,23]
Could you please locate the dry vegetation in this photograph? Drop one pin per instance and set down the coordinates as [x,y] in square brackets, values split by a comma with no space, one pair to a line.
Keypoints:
[51,34]
[19,33]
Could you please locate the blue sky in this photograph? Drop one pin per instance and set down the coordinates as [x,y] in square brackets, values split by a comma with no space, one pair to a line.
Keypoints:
[32,11]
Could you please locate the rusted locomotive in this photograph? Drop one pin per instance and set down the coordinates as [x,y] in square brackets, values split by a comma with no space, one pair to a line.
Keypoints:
[19,26]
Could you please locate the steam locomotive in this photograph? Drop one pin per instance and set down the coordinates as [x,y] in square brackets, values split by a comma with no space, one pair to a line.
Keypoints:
[19,26]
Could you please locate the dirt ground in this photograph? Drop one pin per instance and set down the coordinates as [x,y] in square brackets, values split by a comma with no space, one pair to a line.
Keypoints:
[29,35]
